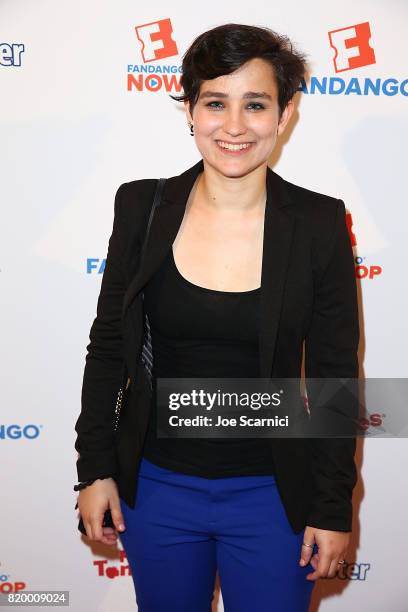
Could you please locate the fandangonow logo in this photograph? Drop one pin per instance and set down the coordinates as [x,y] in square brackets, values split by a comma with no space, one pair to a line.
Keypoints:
[156,45]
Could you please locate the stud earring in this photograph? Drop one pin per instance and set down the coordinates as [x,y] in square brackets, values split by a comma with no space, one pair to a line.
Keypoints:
[191,129]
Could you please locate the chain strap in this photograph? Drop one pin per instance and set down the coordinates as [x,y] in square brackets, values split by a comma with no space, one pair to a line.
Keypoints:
[118,408]
[119,399]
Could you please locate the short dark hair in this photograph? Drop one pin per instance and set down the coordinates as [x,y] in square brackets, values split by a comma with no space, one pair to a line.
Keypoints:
[225,48]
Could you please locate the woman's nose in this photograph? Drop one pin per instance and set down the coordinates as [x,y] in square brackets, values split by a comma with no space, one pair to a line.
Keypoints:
[234,124]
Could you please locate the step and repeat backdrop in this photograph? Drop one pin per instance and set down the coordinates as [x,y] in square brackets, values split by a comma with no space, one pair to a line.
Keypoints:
[85,106]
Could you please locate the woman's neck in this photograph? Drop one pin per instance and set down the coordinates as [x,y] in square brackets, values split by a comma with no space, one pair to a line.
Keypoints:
[228,193]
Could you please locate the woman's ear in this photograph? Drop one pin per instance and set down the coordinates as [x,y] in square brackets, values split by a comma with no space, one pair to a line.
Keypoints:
[187,109]
[286,115]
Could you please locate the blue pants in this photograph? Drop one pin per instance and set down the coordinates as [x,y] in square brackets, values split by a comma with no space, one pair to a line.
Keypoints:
[184,528]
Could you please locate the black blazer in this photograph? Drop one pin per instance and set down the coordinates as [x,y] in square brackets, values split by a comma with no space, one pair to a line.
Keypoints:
[308,293]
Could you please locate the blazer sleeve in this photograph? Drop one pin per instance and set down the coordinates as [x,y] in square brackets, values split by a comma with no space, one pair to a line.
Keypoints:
[331,346]
[103,371]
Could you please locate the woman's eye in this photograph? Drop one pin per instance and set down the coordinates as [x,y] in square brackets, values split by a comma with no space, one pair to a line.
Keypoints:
[257,104]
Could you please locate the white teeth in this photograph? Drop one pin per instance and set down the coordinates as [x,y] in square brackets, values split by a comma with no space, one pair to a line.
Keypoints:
[232,147]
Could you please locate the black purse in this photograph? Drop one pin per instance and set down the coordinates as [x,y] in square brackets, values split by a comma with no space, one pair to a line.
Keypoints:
[107,517]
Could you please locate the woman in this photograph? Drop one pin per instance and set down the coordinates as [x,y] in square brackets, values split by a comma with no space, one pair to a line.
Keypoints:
[240,268]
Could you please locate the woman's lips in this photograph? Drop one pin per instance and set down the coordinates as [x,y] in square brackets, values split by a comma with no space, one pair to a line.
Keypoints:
[236,152]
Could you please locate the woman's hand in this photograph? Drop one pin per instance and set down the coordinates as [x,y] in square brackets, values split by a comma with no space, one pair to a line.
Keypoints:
[93,501]
[332,549]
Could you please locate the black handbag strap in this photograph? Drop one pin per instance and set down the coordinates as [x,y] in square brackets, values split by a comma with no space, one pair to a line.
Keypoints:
[156,200]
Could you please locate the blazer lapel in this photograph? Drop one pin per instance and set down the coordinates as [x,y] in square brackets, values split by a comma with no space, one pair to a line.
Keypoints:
[278,232]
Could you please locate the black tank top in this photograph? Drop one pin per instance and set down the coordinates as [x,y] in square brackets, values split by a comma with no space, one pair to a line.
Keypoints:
[201,332]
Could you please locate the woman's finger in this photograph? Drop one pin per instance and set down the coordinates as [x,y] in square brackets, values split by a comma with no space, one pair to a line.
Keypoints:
[314,561]
[109,541]
[335,565]
[108,530]
[305,554]
[322,566]
[88,529]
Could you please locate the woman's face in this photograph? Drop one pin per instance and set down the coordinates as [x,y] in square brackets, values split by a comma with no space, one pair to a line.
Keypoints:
[239,108]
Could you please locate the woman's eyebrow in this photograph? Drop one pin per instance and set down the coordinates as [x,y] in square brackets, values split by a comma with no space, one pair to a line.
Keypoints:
[248,94]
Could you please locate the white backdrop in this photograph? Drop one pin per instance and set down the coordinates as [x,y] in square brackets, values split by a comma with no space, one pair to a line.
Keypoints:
[73,128]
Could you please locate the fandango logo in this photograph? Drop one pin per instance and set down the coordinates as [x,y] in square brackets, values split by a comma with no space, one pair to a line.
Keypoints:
[352,47]
[365,270]
[113,571]
[10,54]
[14,432]
[95,265]
[362,268]
[352,50]
[7,586]
[156,43]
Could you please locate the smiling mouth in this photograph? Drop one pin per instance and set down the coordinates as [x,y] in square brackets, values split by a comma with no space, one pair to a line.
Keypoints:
[234,148]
